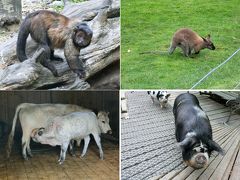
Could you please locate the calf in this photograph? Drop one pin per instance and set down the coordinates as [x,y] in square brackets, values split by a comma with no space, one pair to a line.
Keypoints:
[77,125]
[33,116]
[103,117]
[159,96]
[193,131]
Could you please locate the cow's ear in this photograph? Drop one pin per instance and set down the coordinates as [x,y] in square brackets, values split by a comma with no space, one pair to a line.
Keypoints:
[98,114]
[213,145]
[108,113]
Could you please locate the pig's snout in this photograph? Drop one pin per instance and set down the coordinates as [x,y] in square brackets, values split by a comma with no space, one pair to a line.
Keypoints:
[198,161]
[201,160]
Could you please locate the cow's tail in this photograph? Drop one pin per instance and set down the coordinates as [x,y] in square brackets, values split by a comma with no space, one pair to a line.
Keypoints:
[11,135]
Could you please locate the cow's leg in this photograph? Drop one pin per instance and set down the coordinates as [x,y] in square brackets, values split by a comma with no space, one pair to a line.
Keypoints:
[98,141]
[78,142]
[71,148]
[28,147]
[24,145]
[63,152]
[86,142]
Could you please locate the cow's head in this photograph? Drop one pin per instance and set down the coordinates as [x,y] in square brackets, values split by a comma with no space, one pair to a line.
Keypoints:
[103,122]
[36,133]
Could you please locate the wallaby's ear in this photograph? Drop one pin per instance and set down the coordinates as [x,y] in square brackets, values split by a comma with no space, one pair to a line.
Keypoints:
[208,36]
[204,39]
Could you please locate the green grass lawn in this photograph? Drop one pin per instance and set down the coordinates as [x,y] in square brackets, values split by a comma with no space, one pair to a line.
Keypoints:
[149,26]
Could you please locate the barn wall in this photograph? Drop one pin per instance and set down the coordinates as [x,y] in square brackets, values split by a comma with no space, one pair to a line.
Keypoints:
[96,100]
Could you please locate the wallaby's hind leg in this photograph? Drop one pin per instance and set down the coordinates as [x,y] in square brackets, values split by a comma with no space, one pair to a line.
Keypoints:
[172,48]
[185,48]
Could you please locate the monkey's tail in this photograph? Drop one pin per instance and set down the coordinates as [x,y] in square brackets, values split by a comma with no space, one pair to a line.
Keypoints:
[154,52]
[24,31]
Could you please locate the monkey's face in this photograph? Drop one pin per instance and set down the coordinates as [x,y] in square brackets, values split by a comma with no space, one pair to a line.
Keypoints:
[82,35]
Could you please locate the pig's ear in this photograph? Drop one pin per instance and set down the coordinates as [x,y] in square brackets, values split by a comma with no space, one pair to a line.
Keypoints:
[185,143]
[213,145]
[168,95]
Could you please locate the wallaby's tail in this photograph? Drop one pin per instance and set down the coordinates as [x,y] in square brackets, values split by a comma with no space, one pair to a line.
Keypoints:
[11,135]
[154,52]
[22,39]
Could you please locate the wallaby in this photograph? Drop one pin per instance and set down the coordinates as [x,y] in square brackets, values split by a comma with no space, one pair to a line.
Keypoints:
[190,42]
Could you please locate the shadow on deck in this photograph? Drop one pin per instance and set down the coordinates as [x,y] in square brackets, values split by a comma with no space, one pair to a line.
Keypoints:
[149,147]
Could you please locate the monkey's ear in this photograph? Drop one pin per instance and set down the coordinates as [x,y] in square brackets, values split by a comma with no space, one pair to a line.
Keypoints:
[75,29]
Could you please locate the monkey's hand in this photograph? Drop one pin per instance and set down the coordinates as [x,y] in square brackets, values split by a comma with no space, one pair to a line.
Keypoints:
[71,53]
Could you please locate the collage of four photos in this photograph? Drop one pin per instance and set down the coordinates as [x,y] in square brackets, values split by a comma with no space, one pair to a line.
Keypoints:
[128,90]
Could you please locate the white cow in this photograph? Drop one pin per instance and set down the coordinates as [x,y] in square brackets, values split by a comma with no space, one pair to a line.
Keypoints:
[77,125]
[33,116]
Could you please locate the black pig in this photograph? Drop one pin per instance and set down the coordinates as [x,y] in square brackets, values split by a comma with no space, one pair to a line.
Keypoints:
[193,131]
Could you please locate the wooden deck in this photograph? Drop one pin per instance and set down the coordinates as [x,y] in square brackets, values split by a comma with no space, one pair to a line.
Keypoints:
[139,162]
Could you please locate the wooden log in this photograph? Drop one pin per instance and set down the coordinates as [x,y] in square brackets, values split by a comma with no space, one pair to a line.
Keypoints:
[10,12]
[103,51]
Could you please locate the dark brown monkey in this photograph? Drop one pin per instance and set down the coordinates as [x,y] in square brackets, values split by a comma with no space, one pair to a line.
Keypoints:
[55,31]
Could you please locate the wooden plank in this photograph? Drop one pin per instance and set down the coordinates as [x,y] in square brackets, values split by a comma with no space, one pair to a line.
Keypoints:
[123,95]
[124,116]
[226,95]
[170,175]
[219,172]
[236,168]
[230,165]
[205,173]
[217,168]
[124,105]
[184,174]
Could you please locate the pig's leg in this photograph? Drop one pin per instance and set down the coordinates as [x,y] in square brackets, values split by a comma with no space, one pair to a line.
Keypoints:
[71,148]
[98,141]
[152,99]
[64,147]
[86,142]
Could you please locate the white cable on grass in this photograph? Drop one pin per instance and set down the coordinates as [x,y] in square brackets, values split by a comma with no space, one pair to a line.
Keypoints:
[214,69]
